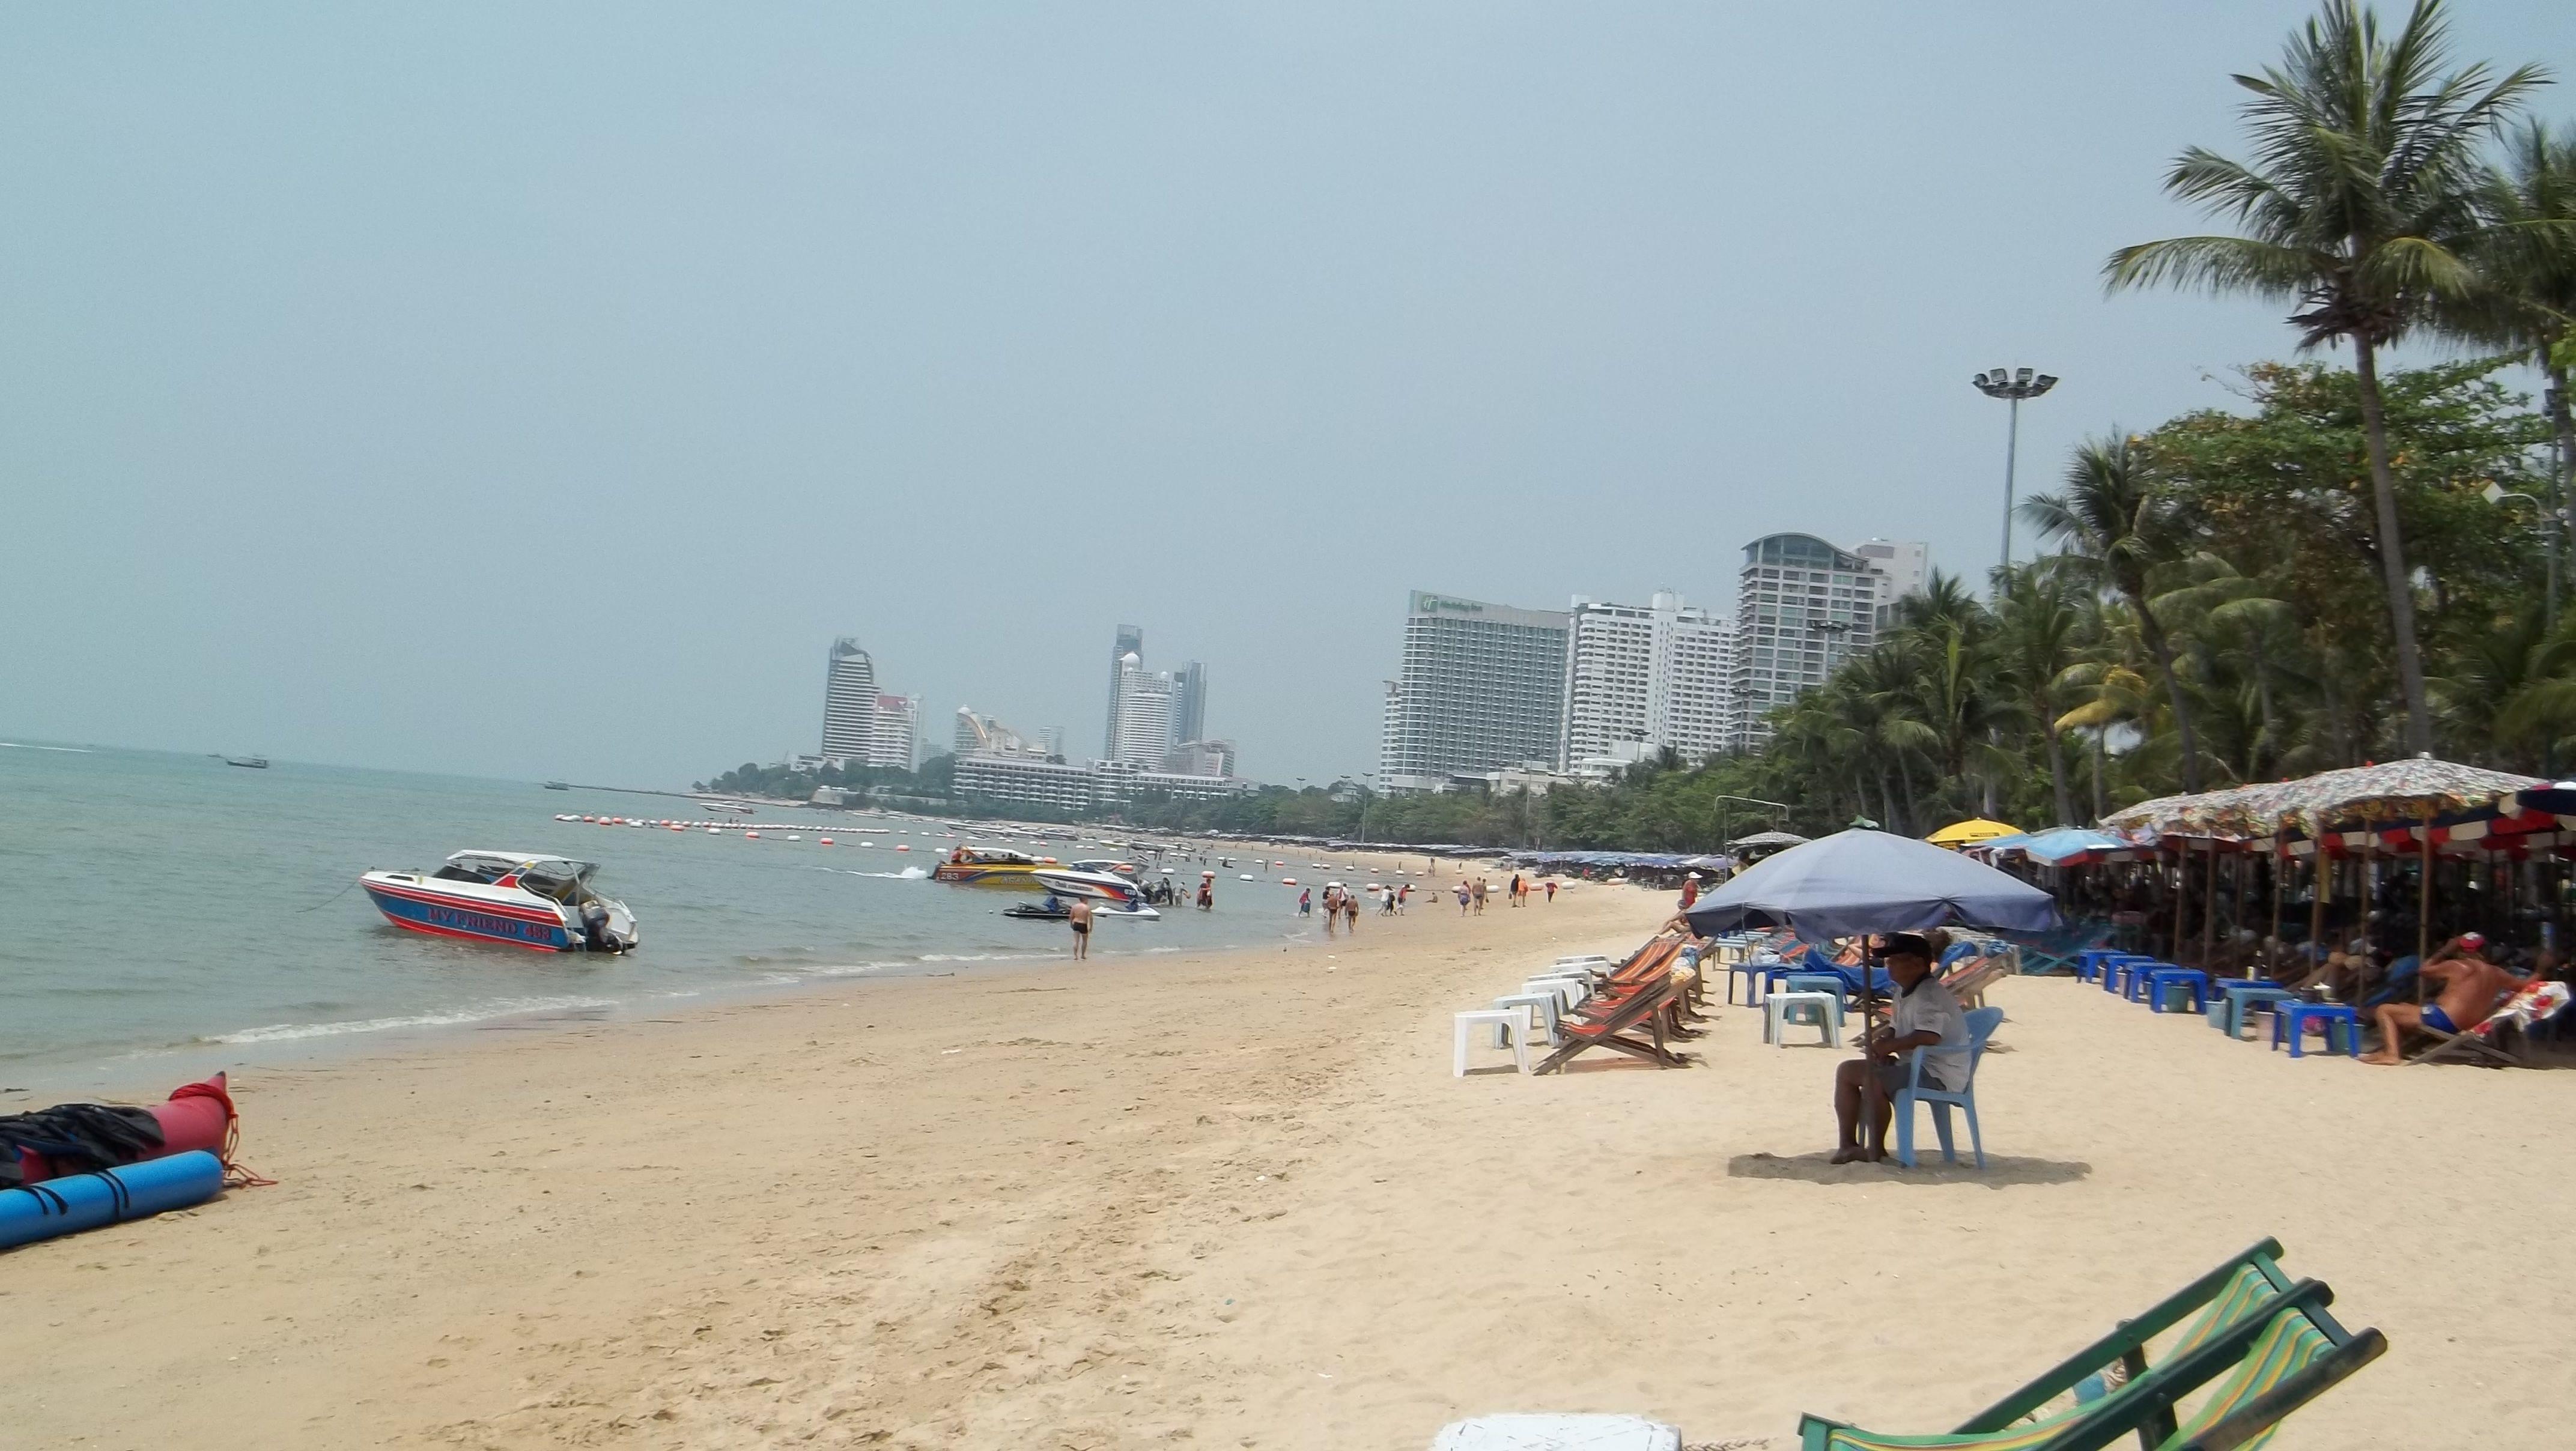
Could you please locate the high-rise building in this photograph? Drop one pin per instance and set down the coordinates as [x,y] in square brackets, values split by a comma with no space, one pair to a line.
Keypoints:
[1189,703]
[1200,758]
[1144,713]
[1481,687]
[1131,642]
[849,701]
[982,735]
[1907,563]
[1802,607]
[1643,678]
[893,741]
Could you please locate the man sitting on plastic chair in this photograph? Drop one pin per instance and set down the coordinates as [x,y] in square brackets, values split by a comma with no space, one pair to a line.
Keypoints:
[1925,1015]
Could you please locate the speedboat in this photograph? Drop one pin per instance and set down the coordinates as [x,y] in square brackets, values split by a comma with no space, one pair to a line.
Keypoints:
[990,866]
[1129,870]
[256,763]
[526,900]
[1109,895]
[738,808]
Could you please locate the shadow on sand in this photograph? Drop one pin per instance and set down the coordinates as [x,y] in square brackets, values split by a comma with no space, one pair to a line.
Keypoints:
[2002,1171]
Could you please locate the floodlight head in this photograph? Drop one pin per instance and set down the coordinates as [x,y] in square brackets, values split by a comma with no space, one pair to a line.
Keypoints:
[2045,382]
[2022,377]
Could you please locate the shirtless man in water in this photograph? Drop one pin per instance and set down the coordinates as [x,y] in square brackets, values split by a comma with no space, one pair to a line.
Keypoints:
[2470,988]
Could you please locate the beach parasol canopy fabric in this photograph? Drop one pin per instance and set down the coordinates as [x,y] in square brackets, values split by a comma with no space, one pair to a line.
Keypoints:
[2069,846]
[2389,791]
[1762,839]
[1856,882]
[1971,831]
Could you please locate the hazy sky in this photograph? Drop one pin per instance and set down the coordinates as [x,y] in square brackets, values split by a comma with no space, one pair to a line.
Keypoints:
[537,389]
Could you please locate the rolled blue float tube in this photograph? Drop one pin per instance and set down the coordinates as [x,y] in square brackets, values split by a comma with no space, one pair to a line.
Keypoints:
[85,1201]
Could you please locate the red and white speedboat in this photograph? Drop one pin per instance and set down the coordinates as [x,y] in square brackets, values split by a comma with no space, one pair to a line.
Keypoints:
[526,900]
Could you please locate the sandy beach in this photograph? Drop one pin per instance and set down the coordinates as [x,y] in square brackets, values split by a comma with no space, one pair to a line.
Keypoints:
[1237,1199]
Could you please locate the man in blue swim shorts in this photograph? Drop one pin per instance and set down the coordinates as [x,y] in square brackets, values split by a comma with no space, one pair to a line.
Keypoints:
[2467,988]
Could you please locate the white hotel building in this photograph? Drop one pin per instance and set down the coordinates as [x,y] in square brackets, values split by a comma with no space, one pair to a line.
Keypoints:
[1640,679]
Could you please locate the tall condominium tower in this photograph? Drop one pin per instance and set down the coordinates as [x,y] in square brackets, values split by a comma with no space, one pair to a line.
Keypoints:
[1802,607]
[1144,705]
[1641,678]
[1189,703]
[894,740]
[1907,563]
[1131,641]
[849,701]
[1481,687]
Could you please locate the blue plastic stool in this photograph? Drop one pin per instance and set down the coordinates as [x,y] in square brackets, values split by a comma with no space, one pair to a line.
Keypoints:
[2115,969]
[2089,962]
[2140,974]
[2291,1019]
[2235,998]
[2163,982]
[1754,975]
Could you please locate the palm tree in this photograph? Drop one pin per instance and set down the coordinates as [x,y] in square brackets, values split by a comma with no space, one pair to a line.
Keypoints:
[2039,635]
[2358,209]
[2527,262]
[2114,518]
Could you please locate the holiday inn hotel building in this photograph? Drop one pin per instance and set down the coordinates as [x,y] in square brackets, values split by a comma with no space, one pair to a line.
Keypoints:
[1480,687]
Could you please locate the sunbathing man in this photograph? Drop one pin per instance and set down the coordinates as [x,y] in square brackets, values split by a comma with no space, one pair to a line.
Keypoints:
[2470,988]
[1925,1016]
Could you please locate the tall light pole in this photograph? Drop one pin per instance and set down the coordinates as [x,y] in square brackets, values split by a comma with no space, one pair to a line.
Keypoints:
[2013,386]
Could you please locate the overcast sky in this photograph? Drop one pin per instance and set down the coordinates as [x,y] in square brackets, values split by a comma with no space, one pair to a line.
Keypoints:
[536,390]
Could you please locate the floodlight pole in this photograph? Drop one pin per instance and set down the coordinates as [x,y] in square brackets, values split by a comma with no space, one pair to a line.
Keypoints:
[2012,386]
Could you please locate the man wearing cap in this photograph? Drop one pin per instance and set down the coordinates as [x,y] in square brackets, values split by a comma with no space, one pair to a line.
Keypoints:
[1925,1015]
[2470,988]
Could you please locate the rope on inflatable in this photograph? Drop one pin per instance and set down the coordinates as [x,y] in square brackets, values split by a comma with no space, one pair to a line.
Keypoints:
[237,1175]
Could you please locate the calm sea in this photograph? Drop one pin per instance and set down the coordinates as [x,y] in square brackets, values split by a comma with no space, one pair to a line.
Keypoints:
[166,910]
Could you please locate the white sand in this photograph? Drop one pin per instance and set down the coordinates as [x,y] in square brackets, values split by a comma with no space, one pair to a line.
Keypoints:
[1237,1200]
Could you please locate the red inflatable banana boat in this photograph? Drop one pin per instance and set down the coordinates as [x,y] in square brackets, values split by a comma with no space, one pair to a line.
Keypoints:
[197,1116]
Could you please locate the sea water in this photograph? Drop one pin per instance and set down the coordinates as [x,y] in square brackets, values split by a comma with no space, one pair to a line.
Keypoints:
[162,910]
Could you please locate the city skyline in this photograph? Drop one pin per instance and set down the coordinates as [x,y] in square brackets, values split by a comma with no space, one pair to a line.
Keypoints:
[912,292]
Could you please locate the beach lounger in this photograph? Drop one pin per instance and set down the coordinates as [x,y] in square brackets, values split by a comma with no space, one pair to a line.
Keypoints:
[2482,1042]
[2266,1341]
[1635,1019]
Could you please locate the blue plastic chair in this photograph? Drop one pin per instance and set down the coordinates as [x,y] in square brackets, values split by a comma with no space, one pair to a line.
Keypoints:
[1982,1023]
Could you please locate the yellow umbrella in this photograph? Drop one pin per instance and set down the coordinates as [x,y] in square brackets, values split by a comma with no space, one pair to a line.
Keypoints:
[1968,833]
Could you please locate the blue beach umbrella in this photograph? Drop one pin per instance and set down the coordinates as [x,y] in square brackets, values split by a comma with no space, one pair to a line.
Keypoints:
[1857,882]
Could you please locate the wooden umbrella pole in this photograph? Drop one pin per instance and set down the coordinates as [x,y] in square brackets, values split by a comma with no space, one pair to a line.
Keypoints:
[2317,910]
[2424,911]
[2272,944]
[2209,911]
[2182,889]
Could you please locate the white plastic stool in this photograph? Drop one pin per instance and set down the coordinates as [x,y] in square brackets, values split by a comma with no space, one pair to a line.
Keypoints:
[1542,1007]
[1572,989]
[1776,1008]
[1512,1023]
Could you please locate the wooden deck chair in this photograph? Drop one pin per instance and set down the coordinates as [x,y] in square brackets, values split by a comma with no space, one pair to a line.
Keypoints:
[2482,1042]
[1967,979]
[2271,1348]
[1633,1020]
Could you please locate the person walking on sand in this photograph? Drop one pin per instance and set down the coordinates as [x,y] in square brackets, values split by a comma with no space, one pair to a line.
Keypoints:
[1551,891]
[1512,893]
[1079,915]
[1403,898]
[1462,896]
[1479,889]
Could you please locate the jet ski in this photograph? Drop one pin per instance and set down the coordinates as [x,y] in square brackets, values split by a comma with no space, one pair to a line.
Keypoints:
[1053,909]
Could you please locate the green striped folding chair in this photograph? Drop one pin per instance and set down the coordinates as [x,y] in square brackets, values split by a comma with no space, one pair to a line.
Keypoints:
[2267,1340]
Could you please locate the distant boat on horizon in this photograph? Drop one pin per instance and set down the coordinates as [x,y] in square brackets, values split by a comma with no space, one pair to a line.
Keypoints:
[255,763]
[558,785]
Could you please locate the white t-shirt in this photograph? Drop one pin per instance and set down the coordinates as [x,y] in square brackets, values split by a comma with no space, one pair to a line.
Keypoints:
[1931,1008]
